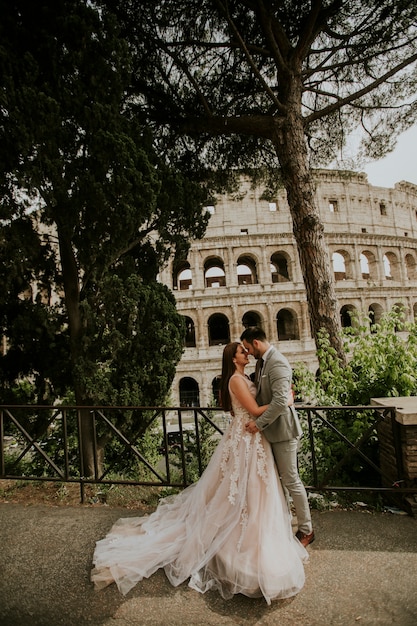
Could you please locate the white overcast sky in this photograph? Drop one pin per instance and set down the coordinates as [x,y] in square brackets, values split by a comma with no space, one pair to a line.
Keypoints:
[401,164]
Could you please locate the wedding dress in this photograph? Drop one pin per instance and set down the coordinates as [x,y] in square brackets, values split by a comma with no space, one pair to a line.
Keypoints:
[230,531]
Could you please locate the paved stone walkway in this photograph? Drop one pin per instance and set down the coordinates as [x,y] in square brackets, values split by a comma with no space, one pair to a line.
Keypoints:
[362,570]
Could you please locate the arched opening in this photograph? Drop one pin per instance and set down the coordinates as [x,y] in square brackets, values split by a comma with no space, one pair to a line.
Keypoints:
[246,271]
[252,318]
[214,274]
[339,266]
[410,264]
[347,313]
[185,280]
[375,313]
[215,388]
[189,392]
[364,262]
[368,265]
[279,268]
[391,266]
[244,275]
[287,325]
[387,267]
[218,328]
[189,341]
[181,275]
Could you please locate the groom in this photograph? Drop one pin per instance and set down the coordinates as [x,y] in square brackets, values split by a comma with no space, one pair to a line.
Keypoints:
[279,423]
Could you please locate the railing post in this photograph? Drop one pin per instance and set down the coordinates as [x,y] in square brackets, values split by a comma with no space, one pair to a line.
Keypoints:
[80,453]
[312,448]
[2,462]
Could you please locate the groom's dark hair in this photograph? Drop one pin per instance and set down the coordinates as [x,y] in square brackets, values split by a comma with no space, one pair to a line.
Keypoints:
[253,332]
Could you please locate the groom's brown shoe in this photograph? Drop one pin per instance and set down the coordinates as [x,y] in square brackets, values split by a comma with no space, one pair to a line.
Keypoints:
[305,539]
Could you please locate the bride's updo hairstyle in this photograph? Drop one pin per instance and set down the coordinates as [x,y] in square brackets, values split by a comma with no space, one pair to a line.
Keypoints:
[228,369]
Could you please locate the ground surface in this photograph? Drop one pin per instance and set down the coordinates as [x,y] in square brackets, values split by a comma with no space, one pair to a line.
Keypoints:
[361,571]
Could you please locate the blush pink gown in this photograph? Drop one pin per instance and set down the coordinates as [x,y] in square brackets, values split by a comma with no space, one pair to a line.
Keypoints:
[230,531]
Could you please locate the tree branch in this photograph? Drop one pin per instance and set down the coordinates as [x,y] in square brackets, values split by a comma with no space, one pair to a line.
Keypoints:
[359,94]
[252,64]
[253,125]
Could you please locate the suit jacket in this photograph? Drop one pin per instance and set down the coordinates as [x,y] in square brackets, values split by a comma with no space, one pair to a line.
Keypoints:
[279,422]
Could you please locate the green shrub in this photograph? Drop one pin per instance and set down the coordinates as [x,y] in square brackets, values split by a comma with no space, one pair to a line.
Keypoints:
[382,362]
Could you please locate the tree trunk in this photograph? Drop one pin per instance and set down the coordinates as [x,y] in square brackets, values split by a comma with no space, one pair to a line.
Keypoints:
[91,455]
[289,142]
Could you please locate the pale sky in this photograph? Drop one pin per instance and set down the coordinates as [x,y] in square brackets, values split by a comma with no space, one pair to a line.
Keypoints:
[401,164]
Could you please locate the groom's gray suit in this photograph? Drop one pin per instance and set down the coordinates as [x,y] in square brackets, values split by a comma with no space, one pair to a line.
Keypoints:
[281,426]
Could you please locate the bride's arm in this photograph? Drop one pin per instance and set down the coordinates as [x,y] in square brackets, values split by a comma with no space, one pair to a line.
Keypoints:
[245,398]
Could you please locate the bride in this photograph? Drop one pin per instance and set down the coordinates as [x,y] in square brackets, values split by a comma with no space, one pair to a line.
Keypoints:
[231,531]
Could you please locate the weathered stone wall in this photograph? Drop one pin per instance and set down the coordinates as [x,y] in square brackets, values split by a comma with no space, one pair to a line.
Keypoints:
[359,220]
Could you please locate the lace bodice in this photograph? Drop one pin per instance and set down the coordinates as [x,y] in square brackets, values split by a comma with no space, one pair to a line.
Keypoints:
[237,407]
[240,446]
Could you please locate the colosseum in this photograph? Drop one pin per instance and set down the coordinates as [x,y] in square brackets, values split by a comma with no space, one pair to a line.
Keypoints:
[246,271]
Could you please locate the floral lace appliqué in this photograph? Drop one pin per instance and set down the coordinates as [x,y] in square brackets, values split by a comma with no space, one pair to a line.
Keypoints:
[240,442]
[237,443]
[261,460]
[244,517]
[231,455]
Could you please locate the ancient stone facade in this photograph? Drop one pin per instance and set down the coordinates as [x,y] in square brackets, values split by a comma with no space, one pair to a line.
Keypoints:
[246,270]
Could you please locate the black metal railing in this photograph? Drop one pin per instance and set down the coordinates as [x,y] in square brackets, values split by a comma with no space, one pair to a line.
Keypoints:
[322,418]
[169,446]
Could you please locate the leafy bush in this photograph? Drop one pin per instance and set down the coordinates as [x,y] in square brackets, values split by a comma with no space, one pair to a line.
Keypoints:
[382,362]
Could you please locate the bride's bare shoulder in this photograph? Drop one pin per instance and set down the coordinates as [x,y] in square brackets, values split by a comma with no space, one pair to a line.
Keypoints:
[239,381]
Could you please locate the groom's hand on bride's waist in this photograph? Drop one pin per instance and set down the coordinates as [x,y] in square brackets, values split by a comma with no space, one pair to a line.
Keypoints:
[251,427]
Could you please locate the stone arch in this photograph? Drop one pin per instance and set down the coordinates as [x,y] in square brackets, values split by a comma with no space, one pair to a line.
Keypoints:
[218,329]
[375,313]
[189,392]
[347,312]
[214,274]
[391,266]
[252,318]
[185,279]
[215,389]
[189,340]
[246,270]
[410,265]
[368,265]
[280,267]
[341,265]
[182,275]
[364,263]
[287,325]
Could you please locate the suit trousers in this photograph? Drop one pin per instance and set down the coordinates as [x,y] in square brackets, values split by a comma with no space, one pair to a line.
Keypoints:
[285,454]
